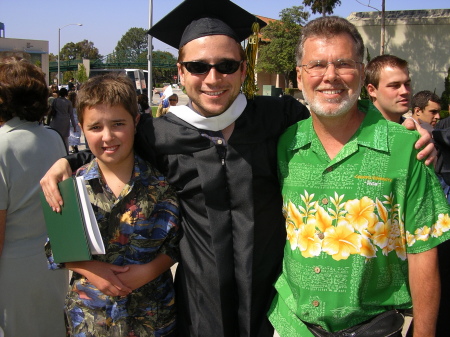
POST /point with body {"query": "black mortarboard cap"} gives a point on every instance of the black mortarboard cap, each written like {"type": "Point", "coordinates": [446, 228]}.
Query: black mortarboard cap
{"type": "Point", "coordinates": [193, 19]}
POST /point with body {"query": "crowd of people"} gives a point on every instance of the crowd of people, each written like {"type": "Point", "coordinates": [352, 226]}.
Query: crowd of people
{"type": "Point", "coordinates": [321, 221]}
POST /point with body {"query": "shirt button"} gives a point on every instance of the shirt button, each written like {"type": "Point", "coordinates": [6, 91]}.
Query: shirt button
{"type": "Point", "coordinates": [317, 270]}
{"type": "Point", "coordinates": [315, 303]}
{"type": "Point", "coordinates": [219, 141]}
{"type": "Point", "coordinates": [325, 201]}
{"type": "Point", "coordinates": [329, 169]}
{"type": "Point", "coordinates": [320, 236]}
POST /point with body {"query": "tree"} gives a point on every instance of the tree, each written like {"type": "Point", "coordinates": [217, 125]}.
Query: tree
{"type": "Point", "coordinates": [322, 6]}
{"type": "Point", "coordinates": [132, 47]}
{"type": "Point", "coordinates": [278, 56]}
{"type": "Point", "coordinates": [164, 66]}
{"type": "Point", "coordinates": [76, 51]}
{"type": "Point", "coordinates": [445, 98]}
{"type": "Point", "coordinates": [81, 73]}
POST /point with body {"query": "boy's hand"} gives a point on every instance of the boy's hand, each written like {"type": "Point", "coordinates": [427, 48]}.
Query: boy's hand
{"type": "Point", "coordinates": [58, 172]}
{"type": "Point", "coordinates": [140, 274]}
{"type": "Point", "coordinates": [428, 151]}
{"type": "Point", "coordinates": [104, 276]}
{"type": "Point", "coordinates": [136, 276]}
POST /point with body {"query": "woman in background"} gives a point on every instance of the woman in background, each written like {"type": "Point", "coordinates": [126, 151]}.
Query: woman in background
{"type": "Point", "coordinates": [62, 116]}
{"type": "Point", "coordinates": [75, 132]}
{"type": "Point", "coordinates": [31, 296]}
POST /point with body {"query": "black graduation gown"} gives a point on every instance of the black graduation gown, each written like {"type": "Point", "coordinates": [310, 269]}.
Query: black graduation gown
{"type": "Point", "coordinates": [233, 228]}
{"type": "Point", "coordinates": [232, 223]}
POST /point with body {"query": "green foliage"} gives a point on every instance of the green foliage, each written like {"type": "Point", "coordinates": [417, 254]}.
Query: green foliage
{"type": "Point", "coordinates": [278, 56]}
{"type": "Point", "coordinates": [76, 51]}
{"type": "Point", "coordinates": [81, 73]}
{"type": "Point", "coordinates": [445, 97]}
{"type": "Point", "coordinates": [132, 47]}
{"type": "Point", "coordinates": [164, 66]}
{"type": "Point", "coordinates": [317, 5]}
{"type": "Point", "coordinates": [66, 76]}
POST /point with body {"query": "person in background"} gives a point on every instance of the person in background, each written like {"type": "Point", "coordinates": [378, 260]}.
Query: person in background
{"type": "Point", "coordinates": [389, 86]}
{"type": "Point", "coordinates": [162, 110]}
{"type": "Point", "coordinates": [71, 85]}
{"type": "Point", "coordinates": [31, 297]}
{"type": "Point", "coordinates": [173, 100]}
{"type": "Point", "coordinates": [75, 131]}
{"type": "Point", "coordinates": [137, 214]}
{"type": "Point", "coordinates": [361, 238]}
{"type": "Point", "coordinates": [426, 107]}
{"type": "Point", "coordinates": [61, 116]}
{"type": "Point", "coordinates": [144, 107]}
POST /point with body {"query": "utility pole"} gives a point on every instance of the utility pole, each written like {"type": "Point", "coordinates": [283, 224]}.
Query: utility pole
{"type": "Point", "coordinates": [383, 27]}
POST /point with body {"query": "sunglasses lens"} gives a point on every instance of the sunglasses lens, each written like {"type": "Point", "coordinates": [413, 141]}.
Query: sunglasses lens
{"type": "Point", "coordinates": [200, 68]}
{"type": "Point", "coordinates": [228, 67]}
{"type": "Point", "coordinates": [197, 67]}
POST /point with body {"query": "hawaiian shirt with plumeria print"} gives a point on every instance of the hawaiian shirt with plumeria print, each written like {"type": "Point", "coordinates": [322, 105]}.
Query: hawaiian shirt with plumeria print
{"type": "Point", "coordinates": [351, 221]}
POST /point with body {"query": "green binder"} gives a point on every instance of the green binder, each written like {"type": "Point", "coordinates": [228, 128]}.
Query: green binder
{"type": "Point", "coordinates": [73, 233]}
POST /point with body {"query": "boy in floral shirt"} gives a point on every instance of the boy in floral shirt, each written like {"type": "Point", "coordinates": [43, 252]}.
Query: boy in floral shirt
{"type": "Point", "coordinates": [128, 291]}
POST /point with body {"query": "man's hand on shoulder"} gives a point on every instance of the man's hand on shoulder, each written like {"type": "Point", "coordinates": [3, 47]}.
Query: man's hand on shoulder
{"type": "Point", "coordinates": [425, 143]}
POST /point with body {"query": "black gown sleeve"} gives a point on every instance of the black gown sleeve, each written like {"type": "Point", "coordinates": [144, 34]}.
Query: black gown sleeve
{"type": "Point", "coordinates": [294, 111]}
{"type": "Point", "coordinates": [76, 160]}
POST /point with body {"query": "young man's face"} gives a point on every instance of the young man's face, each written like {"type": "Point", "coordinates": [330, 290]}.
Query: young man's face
{"type": "Point", "coordinates": [212, 93]}
{"type": "Point", "coordinates": [109, 131]}
{"type": "Point", "coordinates": [173, 101]}
{"type": "Point", "coordinates": [430, 114]}
{"type": "Point", "coordinates": [393, 95]}
{"type": "Point", "coordinates": [331, 94]}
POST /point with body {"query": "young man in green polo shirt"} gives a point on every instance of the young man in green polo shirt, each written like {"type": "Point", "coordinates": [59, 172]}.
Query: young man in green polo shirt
{"type": "Point", "coordinates": [363, 216]}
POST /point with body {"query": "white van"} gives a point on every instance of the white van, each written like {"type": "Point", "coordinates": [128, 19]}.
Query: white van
{"type": "Point", "coordinates": [136, 75]}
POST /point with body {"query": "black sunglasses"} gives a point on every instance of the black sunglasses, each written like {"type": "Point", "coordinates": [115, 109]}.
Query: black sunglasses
{"type": "Point", "coordinates": [224, 67]}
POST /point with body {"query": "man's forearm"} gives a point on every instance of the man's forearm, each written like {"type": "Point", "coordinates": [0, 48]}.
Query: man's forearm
{"type": "Point", "coordinates": [425, 291]}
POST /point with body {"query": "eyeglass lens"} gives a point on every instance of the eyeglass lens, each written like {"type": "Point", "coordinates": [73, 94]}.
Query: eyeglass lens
{"type": "Point", "coordinates": [341, 66]}
{"type": "Point", "coordinates": [224, 67]}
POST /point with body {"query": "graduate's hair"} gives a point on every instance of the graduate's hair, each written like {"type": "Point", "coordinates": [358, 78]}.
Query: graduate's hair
{"type": "Point", "coordinates": [110, 89]}
{"type": "Point", "coordinates": [421, 99]}
{"type": "Point", "coordinates": [377, 64]}
{"type": "Point", "coordinates": [329, 27]}
{"type": "Point", "coordinates": [24, 91]}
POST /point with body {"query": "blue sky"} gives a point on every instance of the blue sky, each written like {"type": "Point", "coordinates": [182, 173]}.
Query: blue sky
{"type": "Point", "coordinates": [105, 22]}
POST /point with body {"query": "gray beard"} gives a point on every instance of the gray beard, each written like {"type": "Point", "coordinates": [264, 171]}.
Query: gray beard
{"type": "Point", "coordinates": [345, 105]}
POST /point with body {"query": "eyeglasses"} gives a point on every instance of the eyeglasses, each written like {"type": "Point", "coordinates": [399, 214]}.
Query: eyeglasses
{"type": "Point", "coordinates": [224, 67]}
{"type": "Point", "coordinates": [341, 67]}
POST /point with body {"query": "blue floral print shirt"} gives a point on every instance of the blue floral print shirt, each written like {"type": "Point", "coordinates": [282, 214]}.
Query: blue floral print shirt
{"type": "Point", "coordinates": [136, 227]}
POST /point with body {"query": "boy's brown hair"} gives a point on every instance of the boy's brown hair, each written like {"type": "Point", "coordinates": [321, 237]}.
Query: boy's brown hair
{"type": "Point", "coordinates": [109, 89]}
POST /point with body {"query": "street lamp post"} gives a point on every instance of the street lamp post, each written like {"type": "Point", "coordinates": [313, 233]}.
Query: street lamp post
{"type": "Point", "coordinates": [149, 53]}
{"type": "Point", "coordinates": [59, 44]}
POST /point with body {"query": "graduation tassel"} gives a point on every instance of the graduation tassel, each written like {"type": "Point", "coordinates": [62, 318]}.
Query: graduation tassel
{"type": "Point", "coordinates": [249, 86]}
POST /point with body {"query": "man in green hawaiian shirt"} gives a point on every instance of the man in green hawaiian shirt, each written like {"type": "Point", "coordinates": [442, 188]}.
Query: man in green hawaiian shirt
{"type": "Point", "coordinates": [363, 216]}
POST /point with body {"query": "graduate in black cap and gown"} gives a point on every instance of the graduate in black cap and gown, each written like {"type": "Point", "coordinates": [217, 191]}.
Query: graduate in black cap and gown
{"type": "Point", "coordinates": [219, 152]}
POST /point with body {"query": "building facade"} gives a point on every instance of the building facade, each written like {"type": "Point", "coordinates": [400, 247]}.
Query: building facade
{"type": "Point", "coordinates": [422, 37]}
